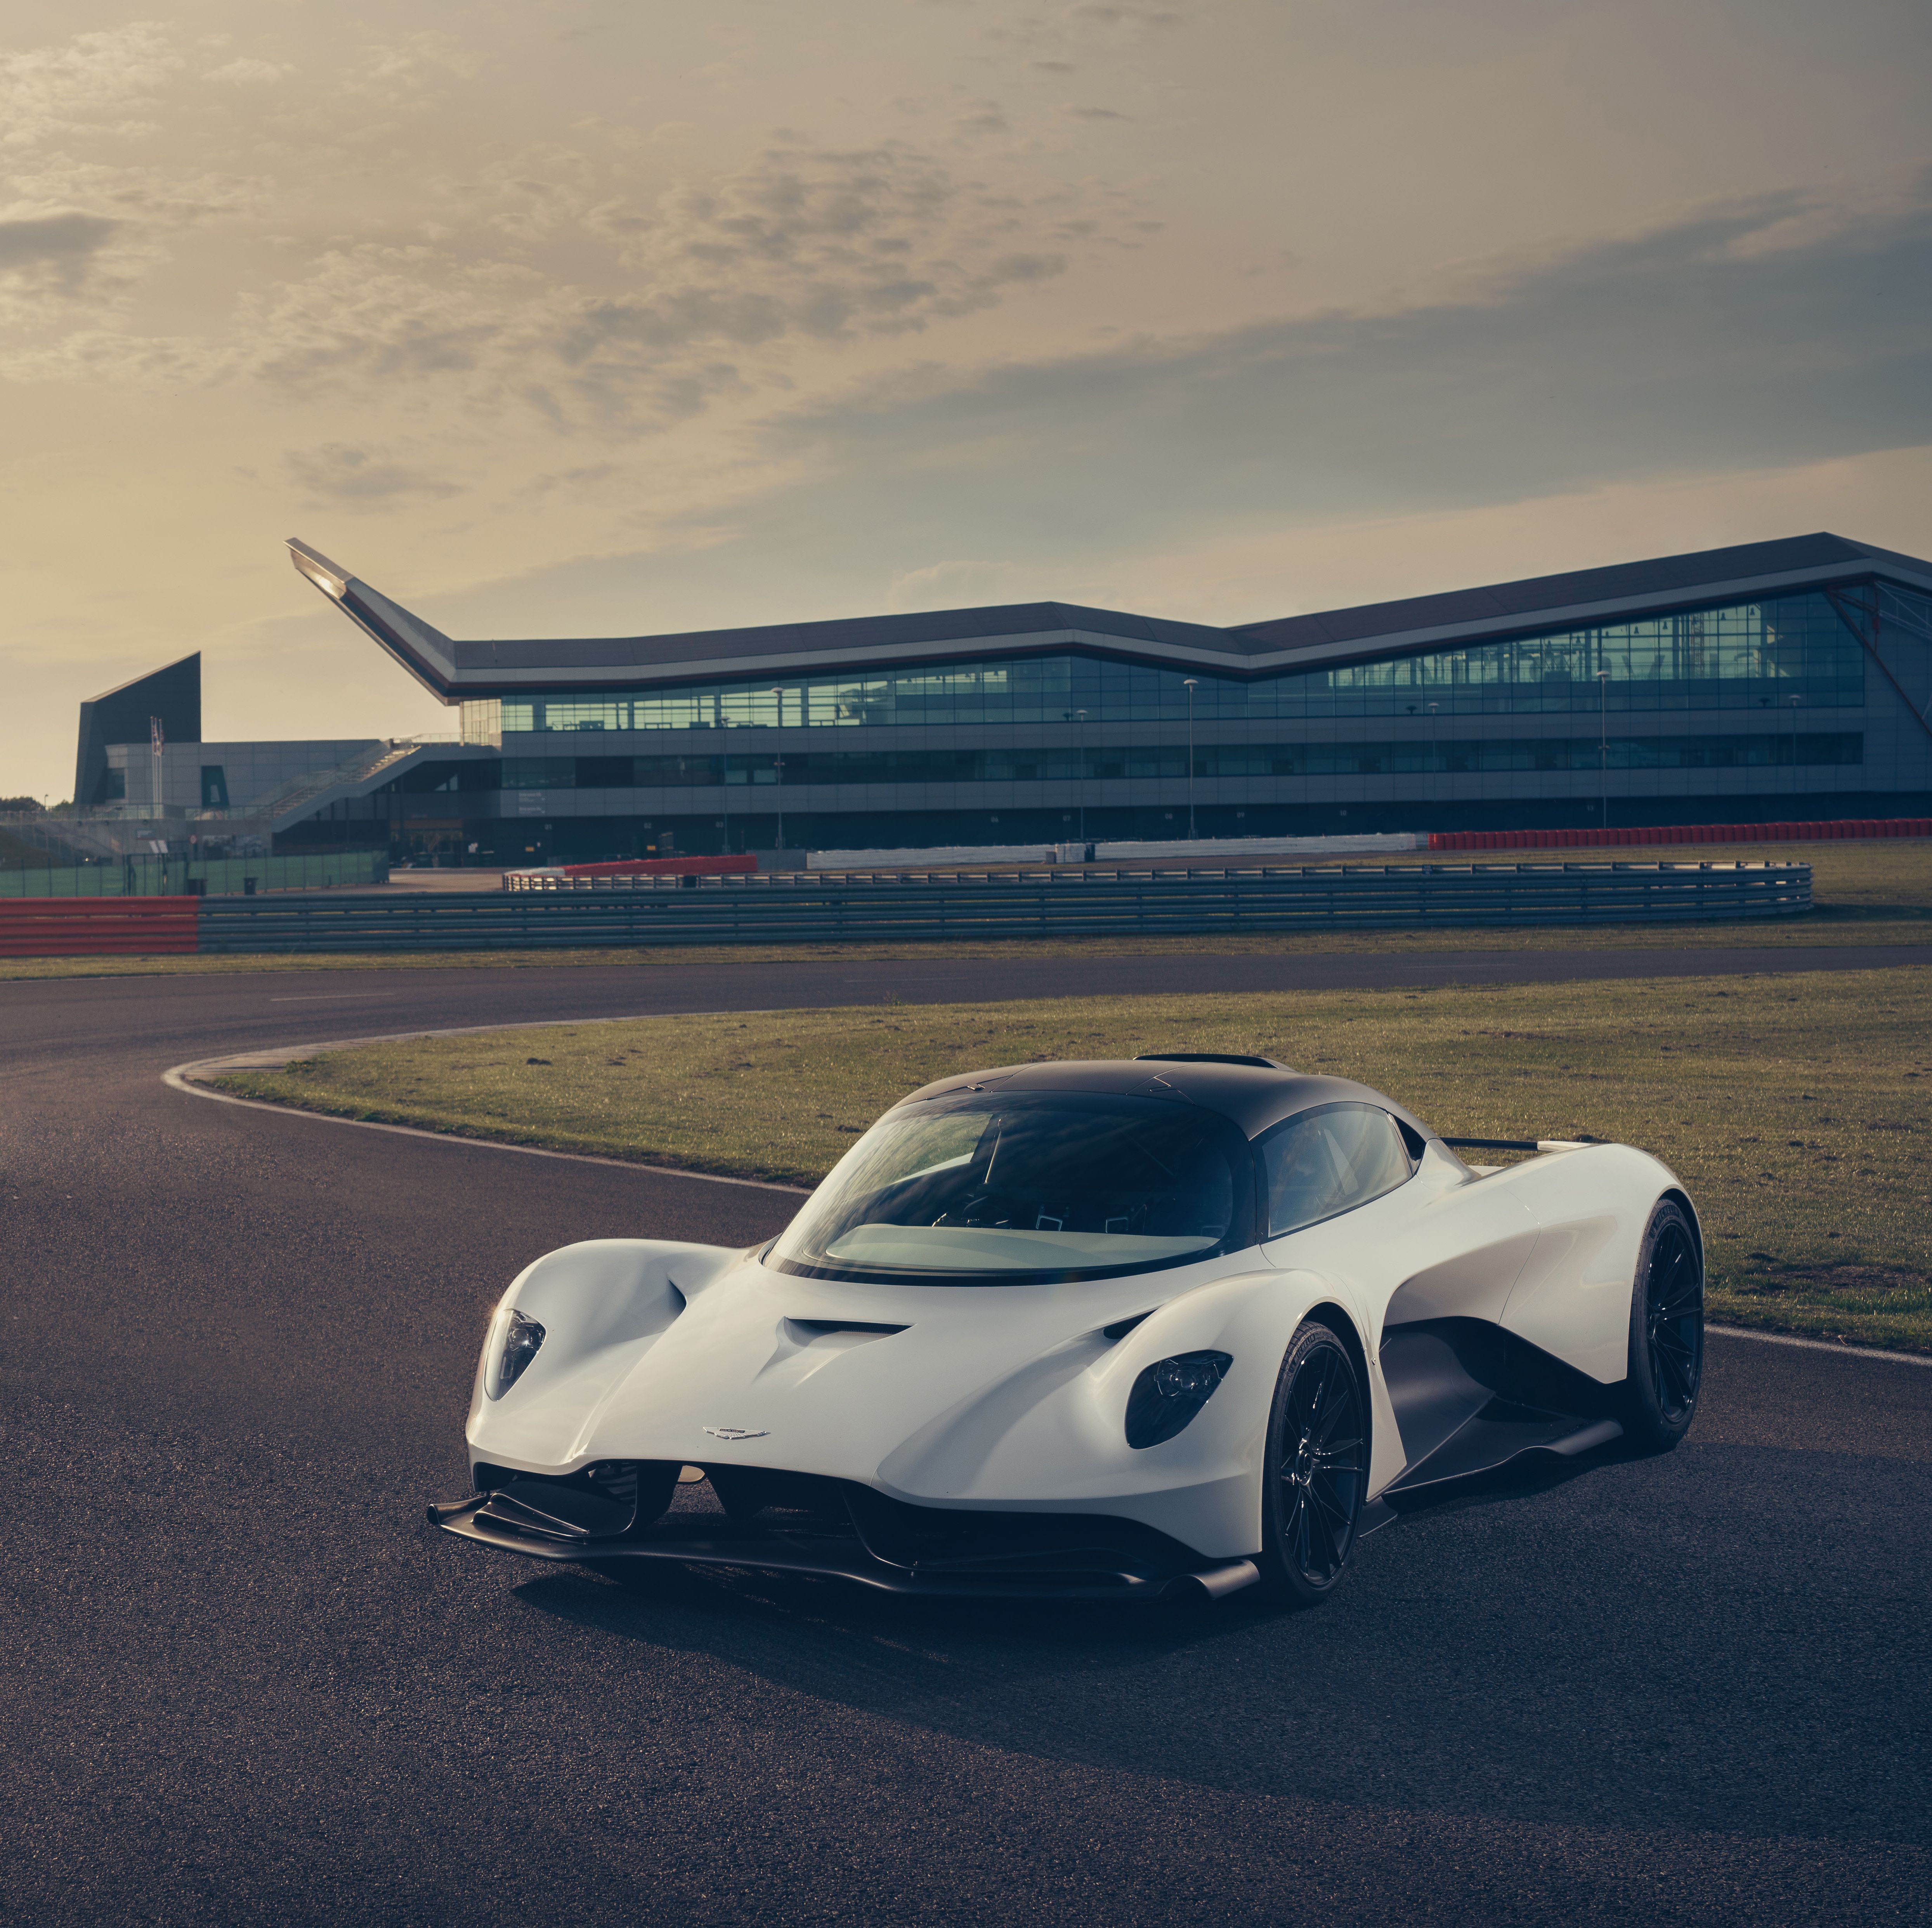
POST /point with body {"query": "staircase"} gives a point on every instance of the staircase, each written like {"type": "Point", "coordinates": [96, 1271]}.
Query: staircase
{"type": "Point", "coordinates": [354, 776]}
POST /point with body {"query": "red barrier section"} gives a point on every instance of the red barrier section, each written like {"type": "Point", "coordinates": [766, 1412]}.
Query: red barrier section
{"type": "Point", "coordinates": [99, 926]}
{"type": "Point", "coordinates": [1645, 833]}
{"type": "Point", "coordinates": [663, 866]}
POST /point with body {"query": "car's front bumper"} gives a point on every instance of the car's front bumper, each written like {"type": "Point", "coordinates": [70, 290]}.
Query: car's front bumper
{"type": "Point", "coordinates": [1048, 1558]}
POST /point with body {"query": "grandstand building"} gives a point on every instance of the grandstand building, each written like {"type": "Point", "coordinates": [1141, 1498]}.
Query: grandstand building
{"type": "Point", "coordinates": [1777, 680]}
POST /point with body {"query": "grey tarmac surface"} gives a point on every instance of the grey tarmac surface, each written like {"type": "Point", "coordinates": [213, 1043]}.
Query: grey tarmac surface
{"type": "Point", "coordinates": [245, 1682]}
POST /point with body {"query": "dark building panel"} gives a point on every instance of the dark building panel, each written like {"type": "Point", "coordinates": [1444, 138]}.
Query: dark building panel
{"type": "Point", "coordinates": [122, 716]}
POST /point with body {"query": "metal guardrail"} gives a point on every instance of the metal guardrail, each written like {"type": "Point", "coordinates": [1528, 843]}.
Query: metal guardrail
{"type": "Point", "coordinates": [824, 907]}
{"type": "Point", "coordinates": [136, 877]}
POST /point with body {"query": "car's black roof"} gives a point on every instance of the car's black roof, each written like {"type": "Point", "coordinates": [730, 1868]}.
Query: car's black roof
{"type": "Point", "coordinates": [1255, 1094]}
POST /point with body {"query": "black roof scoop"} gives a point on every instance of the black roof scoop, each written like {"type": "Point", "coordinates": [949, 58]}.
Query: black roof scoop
{"type": "Point", "coordinates": [1210, 1058]}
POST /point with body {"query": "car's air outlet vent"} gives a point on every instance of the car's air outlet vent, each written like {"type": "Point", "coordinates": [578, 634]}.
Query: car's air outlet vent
{"type": "Point", "coordinates": [1120, 1328]}
{"type": "Point", "coordinates": [819, 1329]}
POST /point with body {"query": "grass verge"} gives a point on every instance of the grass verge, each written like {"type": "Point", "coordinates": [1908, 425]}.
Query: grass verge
{"type": "Point", "coordinates": [1796, 1108]}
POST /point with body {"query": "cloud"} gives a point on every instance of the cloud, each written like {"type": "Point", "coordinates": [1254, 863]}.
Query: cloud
{"type": "Point", "coordinates": [65, 242]}
{"type": "Point", "coordinates": [955, 585]}
{"type": "Point", "coordinates": [1108, 15]}
{"type": "Point", "coordinates": [1690, 349]}
{"type": "Point", "coordinates": [89, 84]}
{"type": "Point", "coordinates": [805, 245]}
{"type": "Point", "coordinates": [246, 73]}
{"type": "Point", "coordinates": [340, 474]}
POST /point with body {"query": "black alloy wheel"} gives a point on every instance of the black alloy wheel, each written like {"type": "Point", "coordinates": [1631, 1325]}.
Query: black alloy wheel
{"type": "Point", "coordinates": [1666, 1342]}
{"type": "Point", "coordinates": [1317, 1468]}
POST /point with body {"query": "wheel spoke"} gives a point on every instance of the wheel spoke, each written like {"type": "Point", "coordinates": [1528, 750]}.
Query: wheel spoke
{"type": "Point", "coordinates": [1319, 1527]}
{"type": "Point", "coordinates": [1300, 1527]}
{"type": "Point", "coordinates": [1317, 1392]}
{"type": "Point", "coordinates": [1673, 1321]}
{"type": "Point", "coordinates": [1677, 1371]}
{"type": "Point", "coordinates": [1330, 1505]}
{"type": "Point", "coordinates": [1668, 1339]}
{"type": "Point", "coordinates": [1327, 1416]}
{"type": "Point", "coordinates": [1320, 1458]}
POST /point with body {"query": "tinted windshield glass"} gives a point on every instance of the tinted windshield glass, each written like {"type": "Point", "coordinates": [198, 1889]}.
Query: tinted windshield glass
{"type": "Point", "coordinates": [1026, 1187]}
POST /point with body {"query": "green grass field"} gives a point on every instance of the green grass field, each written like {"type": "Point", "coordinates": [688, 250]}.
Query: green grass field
{"type": "Point", "coordinates": [1874, 892]}
{"type": "Point", "coordinates": [1796, 1108]}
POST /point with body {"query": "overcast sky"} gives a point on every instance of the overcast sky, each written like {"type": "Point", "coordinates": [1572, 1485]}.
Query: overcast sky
{"type": "Point", "coordinates": [569, 317]}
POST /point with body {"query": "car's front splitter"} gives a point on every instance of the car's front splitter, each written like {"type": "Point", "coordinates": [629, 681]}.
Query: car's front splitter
{"type": "Point", "coordinates": [494, 1520]}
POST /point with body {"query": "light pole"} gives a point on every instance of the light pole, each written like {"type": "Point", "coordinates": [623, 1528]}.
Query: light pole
{"type": "Point", "coordinates": [778, 762]}
{"type": "Point", "coordinates": [1434, 756]}
{"type": "Point", "coordinates": [1080, 716]}
{"type": "Point", "coordinates": [1795, 701]}
{"type": "Point", "coordinates": [1190, 684]}
{"type": "Point", "coordinates": [1603, 750]}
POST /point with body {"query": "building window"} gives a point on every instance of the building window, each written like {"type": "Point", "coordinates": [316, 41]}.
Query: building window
{"type": "Point", "coordinates": [1764, 748]}
{"type": "Point", "coordinates": [1735, 656]}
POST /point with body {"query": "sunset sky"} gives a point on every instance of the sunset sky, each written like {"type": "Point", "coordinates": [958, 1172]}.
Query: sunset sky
{"type": "Point", "coordinates": [573, 318]}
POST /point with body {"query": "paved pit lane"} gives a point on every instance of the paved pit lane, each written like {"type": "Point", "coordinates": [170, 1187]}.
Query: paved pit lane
{"type": "Point", "coordinates": [245, 1681]}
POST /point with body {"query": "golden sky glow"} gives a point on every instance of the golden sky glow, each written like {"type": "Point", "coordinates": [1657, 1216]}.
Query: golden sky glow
{"type": "Point", "coordinates": [574, 318]}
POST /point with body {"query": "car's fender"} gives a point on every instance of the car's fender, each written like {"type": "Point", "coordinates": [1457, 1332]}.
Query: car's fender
{"type": "Point", "coordinates": [1591, 1206]}
{"type": "Point", "coordinates": [601, 1303]}
{"type": "Point", "coordinates": [1056, 1429]}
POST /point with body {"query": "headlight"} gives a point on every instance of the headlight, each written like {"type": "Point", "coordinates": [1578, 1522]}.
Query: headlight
{"type": "Point", "coordinates": [513, 1344]}
{"type": "Point", "coordinates": [1168, 1393]}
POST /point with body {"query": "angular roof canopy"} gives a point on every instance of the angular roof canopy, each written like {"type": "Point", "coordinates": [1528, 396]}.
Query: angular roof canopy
{"type": "Point", "coordinates": [455, 670]}
{"type": "Point", "coordinates": [170, 695]}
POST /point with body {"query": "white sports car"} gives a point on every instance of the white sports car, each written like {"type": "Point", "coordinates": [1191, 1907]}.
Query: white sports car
{"type": "Point", "coordinates": [1105, 1330]}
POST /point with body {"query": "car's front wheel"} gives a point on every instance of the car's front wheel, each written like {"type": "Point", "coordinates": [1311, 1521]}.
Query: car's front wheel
{"type": "Point", "coordinates": [1316, 1470]}
{"type": "Point", "coordinates": [1666, 1337]}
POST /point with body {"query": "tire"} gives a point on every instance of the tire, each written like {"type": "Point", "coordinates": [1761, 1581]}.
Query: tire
{"type": "Point", "coordinates": [1315, 1469]}
{"type": "Point", "coordinates": [1667, 1333]}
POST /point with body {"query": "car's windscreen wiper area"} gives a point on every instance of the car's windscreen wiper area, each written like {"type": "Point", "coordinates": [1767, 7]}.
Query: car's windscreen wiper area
{"type": "Point", "coordinates": [1027, 1185]}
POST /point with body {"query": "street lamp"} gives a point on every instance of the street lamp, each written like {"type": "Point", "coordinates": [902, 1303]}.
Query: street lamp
{"type": "Point", "coordinates": [1080, 718]}
{"type": "Point", "coordinates": [1603, 750]}
{"type": "Point", "coordinates": [1190, 684]}
{"type": "Point", "coordinates": [1795, 701]}
{"type": "Point", "coordinates": [1434, 756]}
{"type": "Point", "coordinates": [778, 764]}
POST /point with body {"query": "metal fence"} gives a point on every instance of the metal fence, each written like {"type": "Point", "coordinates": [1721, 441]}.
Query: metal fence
{"type": "Point", "coordinates": [824, 907]}
{"type": "Point", "coordinates": [181, 876]}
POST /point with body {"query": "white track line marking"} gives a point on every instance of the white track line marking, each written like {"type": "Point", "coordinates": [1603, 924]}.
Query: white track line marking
{"type": "Point", "coordinates": [182, 1078]}
{"type": "Point", "coordinates": [1818, 1345]}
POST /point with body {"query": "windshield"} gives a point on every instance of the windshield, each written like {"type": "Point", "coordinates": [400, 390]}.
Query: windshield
{"type": "Point", "coordinates": [1026, 1187]}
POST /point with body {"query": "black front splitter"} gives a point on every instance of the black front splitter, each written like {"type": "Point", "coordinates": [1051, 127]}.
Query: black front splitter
{"type": "Point", "coordinates": [840, 1558]}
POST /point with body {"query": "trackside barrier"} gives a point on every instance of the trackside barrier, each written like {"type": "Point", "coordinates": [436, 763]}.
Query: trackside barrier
{"type": "Point", "coordinates": [805, 906]}
{"type": "Point", "coordinates": [647, 867]}
{"type": "Point", "coordinates": [182, 876]}
{"type": "Point", "coordinates": [1680, 834]}
{"type": "Point", "coordinates": [99, 926]}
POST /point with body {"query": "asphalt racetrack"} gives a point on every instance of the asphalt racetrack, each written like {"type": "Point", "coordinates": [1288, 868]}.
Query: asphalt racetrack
{"type": "Point", "coordinates": [244, 1680]}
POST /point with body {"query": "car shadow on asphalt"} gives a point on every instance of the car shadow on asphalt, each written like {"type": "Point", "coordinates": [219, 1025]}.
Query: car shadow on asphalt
{"type": "Point", "coordinates": [1601, 1641]}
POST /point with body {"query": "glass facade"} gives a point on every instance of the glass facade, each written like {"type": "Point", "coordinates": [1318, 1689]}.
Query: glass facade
{"type": "Point", "coordinates": [1740, 657]}
{"type": "Point", "coordinates": [1758, 749]}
